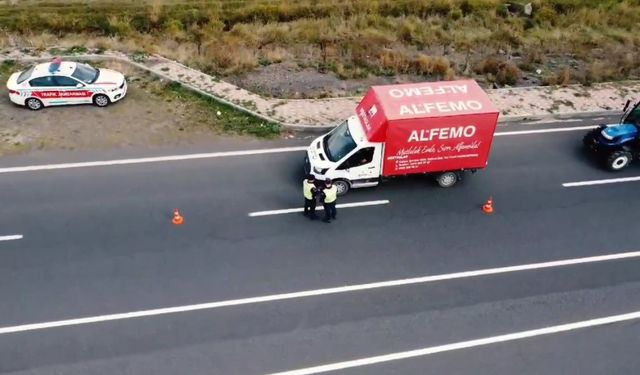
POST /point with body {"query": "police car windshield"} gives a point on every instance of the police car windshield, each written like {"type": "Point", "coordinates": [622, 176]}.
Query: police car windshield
{"type": "Point", "coordinates": [25, 75]}
{"type": "Point", "coordinates": [85, 73]}
{"type": "Point", "coordinates": [339, 143]}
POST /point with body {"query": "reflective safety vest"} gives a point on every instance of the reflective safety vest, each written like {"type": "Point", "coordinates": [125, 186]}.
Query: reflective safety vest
{"type": "Point", "coordinates": [306, 189]}
{"type": "Point", "coordinates": [330, 194]}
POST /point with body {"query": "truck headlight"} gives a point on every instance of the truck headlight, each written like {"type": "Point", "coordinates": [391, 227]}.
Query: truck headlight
{"type": "Point", "coordinates": [320, 171]}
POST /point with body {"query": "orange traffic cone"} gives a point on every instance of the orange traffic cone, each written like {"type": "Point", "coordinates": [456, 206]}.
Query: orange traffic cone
{"type": "Point", "coordinates": [488, 207]}
{"type": "Point", "coordinates": [177, 218]}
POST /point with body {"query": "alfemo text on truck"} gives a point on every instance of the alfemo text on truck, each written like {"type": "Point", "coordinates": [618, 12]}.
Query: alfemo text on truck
{"type": "Point", "coordinates": [438, 106]}
{"type": "Point", "coordinates": [423, 135]}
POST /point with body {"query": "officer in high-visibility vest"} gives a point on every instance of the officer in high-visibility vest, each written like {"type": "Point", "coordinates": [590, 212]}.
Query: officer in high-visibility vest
{"type": "Point", "coordinates": [309, 191]}
{"type": "Point", "coordinates": [330, 195]}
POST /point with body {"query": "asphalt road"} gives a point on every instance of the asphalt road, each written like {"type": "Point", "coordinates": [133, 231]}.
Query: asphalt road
{"type": "Point", "coordinates": [99, 241]}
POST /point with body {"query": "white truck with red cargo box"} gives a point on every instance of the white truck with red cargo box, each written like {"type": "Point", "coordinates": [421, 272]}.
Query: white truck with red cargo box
{"type": "Point", "coordinates": [436, 128]}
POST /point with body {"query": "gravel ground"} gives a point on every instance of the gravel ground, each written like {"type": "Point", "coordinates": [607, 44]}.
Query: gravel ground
{"type": "Point", "coordinates": [144, 118]}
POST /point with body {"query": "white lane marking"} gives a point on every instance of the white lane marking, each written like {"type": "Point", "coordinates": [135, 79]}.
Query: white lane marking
{"type": "Point", "coordinates": [104, 163]}
{"type": "Point", "coordinates": [464, 344]}
{"type": "Point", "coordinates": [11, 237]}
{"type": "Point", "coordinates": [601, 182]}
{"type": "Point", "coordinates": [342, 205]}
{"type": "Point", "coordinates": [551, 130]}
{"type": "Point", "coordinates": [150, 160]}
{"type": "Point", "coordinates": [571, 120]}
{"type": "Point", "coordinates": [317, 292]}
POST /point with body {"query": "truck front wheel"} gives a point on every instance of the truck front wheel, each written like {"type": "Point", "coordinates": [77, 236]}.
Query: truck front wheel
{"type": "Point", "coordinates": [342, 186]}
{"type": "Point", "coordinates": [447, 179]}
{"type": "Point", "coordinates": [618, 160]}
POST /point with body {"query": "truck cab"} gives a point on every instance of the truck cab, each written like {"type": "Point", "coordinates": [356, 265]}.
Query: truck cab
{"type": "Point", "coordinates": [617, 144]}
{"type": "Point", "coordinates": [346, 156]}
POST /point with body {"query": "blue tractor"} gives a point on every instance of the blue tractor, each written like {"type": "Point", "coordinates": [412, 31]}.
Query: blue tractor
{"type": "Point", "coordinates": [617, 144]}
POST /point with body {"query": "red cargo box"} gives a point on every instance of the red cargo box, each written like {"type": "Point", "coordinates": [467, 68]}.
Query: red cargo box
{"type": "Point", "coordinates": [431, 126]}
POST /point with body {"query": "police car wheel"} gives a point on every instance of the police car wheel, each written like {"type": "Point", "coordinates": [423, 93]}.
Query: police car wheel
{"type": "Point", "coordinates": [447, 179]}
{"type": "Point", "coordinates": [101, 100]}
{"type": "Point", "coordinates": [34, 104]}
{"type": "Point", "coordinates": [342, 186]}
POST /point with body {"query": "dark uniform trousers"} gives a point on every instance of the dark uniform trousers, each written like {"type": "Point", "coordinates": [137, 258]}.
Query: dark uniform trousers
{"type": "Point", "coordinates": [330, 210]}
{"type": "Point", "coordinates": [310, 207]}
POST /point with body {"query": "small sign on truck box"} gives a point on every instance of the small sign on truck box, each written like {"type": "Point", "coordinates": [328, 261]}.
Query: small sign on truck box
{"type": "Point", "coordinates": [430, 127]}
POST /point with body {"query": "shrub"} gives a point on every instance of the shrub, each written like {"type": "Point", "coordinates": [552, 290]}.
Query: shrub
{"type": "Point", "coordinates": [499, 71]}
{"type": "Point", "coordinates": [449, 75]}
{"type": "Point", "coordinates": [545, 16]}
{"type": "Point", "coordinates": [438, 66]}
{"type": "Point", "coordinates": [392, 61]}
{"type": "Point", "coordinates": [456, 14]}
{"type": "Point", "coordinates": [441, 66]}
{"type": "Point", "coordinates": [423, 64]}
{"type": "Point", "coordinates": [490, 65]}
{"type": "Point", "coordinates": [508, 74]}
{"type": "Point", "coordinates": [273, 55]}
{"type": "Point", "coordinates": [564, 77]}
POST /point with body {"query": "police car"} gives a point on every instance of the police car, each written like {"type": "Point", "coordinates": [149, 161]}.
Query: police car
{"type": "Point", "coordinates": [63, 82]}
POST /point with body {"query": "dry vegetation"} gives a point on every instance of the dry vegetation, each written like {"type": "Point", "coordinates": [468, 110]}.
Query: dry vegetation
{"type": "Point", "coordinates": [567, 40]}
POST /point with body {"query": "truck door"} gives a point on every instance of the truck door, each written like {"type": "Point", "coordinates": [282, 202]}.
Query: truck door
{"type": "Point", "coordinates": [362, 167]}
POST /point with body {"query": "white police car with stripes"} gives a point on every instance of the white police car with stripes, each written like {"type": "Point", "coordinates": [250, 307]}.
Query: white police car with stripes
{"type": "Point", "coordinates": [64, 82]}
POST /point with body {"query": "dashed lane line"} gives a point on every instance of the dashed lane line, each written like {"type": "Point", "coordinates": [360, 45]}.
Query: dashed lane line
{"type": "Point", "coordinates": [11, 237]}
{"type": "Point", "coordinates": [294, 210]}
{"type": "Point", "coordinates": [601, 182]}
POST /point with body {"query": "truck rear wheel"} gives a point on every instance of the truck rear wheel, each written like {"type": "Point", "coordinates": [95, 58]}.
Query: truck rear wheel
{"type": "Point", "coordinates": [618, 160]}
{"type": "Point", "coordinates": [447, 179]}
{"type": "Point", "coordinates": [342, 186]}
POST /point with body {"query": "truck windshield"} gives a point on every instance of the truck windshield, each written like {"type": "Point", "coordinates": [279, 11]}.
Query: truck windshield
{"type": "Point", "coordinates": [339, 142]}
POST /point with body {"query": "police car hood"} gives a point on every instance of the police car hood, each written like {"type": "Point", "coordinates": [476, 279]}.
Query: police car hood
{"type": "Point", "coordinates": [109, 77]}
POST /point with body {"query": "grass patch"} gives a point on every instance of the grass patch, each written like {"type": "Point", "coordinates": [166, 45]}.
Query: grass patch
{"type": "Point", "coordinates": [7, 67]}
{"type": "Point", "coordinates": [75, 50]}
{"type": "Point", "coordinates": [353, 38]}
{"type": "Point", "coordinates": [204, 108]}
